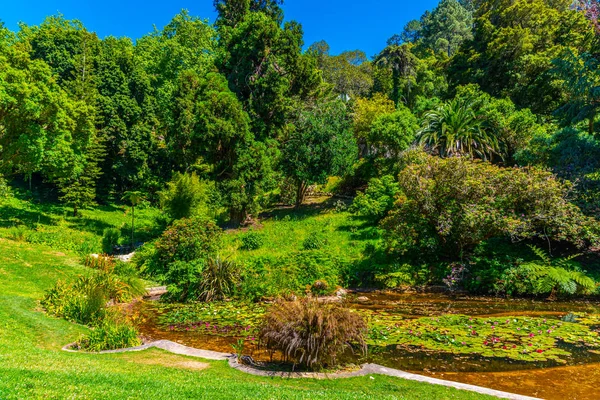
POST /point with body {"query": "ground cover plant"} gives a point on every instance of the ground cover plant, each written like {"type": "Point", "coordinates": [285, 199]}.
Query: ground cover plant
{"type": "Point", "coordinates": [34, 366]}
{"type": "Point", "coordinates": [517, 338]}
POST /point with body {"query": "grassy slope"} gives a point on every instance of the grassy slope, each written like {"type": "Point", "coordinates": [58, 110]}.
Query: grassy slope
{"type": "Point", "coordinates": [33, 366]}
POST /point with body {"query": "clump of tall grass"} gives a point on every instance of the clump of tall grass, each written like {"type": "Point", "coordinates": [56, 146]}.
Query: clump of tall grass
{"type": "Point", "coordinates": [311, 333]}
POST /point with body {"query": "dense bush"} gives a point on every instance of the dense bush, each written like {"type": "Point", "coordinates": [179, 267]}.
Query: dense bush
{"type": "Point", "coordinates": [448, 206]}
{"type": "Point", "coordinates": [378, 198]}
{"type": "Point", "coordinates": [187, 196]}
{"type": "Point", "coordinates": [572, 155]}
{"type": "Point", "coordinates": [252, 241]}
{"type": "Point", "coordinates": [110, 335]}
{"type": "Point", "coordinates": [110, 239]}
{"type": "Point", "coordinates": [186, 240]}
{"type": "Point", "coordinates": [179, 257]}
{"type": "Point", "coordinates": [268, 276]}
{"type": "Point", "coordinates": [311, 333]}
{"type": "Point", "coordinates": [85, 300]}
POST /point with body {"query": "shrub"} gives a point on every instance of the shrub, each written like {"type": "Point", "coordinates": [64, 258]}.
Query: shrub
{"type": "Point", "coordinates": [110, 239]}
{"type": "Point", "coordinates": [219, 279]}
{"type": "Point", "coordinates": [110, 335]}
{"type": "Point", "coordinates": [186, 240]}
{"type": "Point", "coordinates": [187, 196]}
{"type": "Point", "coordinates": [252, 241]}
{"type": "Point", "coordinates": [378, 199]}
{"type": "Point", "coordinates": [85, 300]}
{"type": "Point", "coordinates": [448, 206]}
{"type": "Point", "coordinates": [180, 256]}
{"type": "Point", "coordinates": [311, 333]}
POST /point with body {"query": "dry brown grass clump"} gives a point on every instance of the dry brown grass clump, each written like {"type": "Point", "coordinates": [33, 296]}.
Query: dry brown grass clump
{"type": "Point", "coordinates": [310, 333]}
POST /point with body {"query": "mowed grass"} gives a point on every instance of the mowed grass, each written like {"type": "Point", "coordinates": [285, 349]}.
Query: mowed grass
{"type": "Point", "coordinates": [33, 366]}
{"type": "Point", "coordinates": [54, 225]}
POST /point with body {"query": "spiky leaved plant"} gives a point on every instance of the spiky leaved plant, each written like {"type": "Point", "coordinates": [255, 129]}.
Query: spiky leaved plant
{"type": "Point", "coordinates": [219, 278]}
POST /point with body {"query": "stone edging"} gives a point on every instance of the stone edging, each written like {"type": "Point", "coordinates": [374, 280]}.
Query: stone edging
{"type": "Point", "coordinates": [366, 369]}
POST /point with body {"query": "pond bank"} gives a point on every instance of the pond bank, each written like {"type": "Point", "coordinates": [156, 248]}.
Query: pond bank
{"type": "Point", "coordinates": [366, 369]}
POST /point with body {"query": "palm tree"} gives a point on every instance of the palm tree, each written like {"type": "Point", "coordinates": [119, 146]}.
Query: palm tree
{"type": "Point", "coordinates": [402, 62]}
{"type": "Point", "coordinates": [458, 127]}
{"type": "Point", "coordinates": [134, 198]}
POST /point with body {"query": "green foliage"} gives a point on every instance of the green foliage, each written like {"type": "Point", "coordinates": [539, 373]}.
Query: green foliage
{"type": "Point", "coordinates": [548, 276]}
{"type": "Point", "coordinates": [252, 241]}
{"type": "Point", "coordinates": [265, 277]}
{"type": "Point", "coordinates": [84, 301]}
{"type": "Point", "coordinates": [446, 27]}
{"type": "Point", "coordinates": [110, 239]}
{"type": "Point", "coordinates": [186, 196]}
{"type": "Point", "coordinates": [448, 206]}
{"type": "Point", "coordinates": [219, 279]}
{"type": "Point", "coordinates": [392, 133]}
{"type": "Point", "coordinates": [524, 36]}
{"type": "Point", "coordinates": [321, 145]}
{"type": "Point", "coordinates": [456, 128]}
{"type": "Point", "coordinates": [378, 198]}
{"type": "Point", "coordinates": [182, 254]}
{"type": "Point", "coordinates": [582, 83]}
{"type": "Point", "coordinates": [110, 335]}
{"type": "Point", "coordinates": [350, 72]}
{"type": "Point", "coordinates": [311, 333]}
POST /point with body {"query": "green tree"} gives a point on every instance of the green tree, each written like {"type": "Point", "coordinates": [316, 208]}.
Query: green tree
{"type": "Point", "coordinates": [400, 60]}
{"type": "Point", "coordinates": [447, 27]}
{"type": "Point", "coordinates": [393, 133]}
{"type": "Point", "coordinates": [350, 73]}
{"type": "Point", "coordinates": [582, 84]}
{"type": "Point", "coordinates": [265, 68]}
{"type": "Point", "coordinates": [515, 42]}
{"type": "Point", "coordinates": [321, 145]}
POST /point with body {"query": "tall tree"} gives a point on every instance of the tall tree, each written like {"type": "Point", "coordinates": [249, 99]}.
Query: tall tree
{"type": "Point", "coordinates": [401, 61]}
{"type": "Point", "coordinates": [581, 78]}
{"type": "Point", "coordinates": [350, 73]}
{"type": "Point", "coordinates": [321, 145]}
{"type": "Point", "coordinates": [515, 42]}
{"type": "Point", "coordinates": [266, 69]}
{"type": "Point", "coordinates": [447, 26]}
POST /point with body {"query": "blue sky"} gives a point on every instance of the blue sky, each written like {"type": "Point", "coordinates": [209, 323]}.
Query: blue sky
{"type": "Point", "coordinates": [344, 24]}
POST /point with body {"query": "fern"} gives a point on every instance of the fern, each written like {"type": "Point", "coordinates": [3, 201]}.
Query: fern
{"type": "Point", "coordinates": [550, 276]}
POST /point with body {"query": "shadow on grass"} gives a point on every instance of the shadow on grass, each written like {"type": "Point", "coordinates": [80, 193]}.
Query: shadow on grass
{"type": "Point", "coordinates": [11, 216]}
{"type": "Point", "coordinates": [303, 212]}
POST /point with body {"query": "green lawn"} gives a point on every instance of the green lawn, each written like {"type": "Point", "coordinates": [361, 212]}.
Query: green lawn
{"type": "Point", "coordinates": [33, 366]}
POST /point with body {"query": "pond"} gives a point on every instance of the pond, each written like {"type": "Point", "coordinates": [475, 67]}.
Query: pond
{"type": "Point", "coordinates": [521, 346]}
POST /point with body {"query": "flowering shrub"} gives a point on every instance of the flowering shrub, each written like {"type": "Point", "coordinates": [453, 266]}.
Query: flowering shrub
{"type": "Point", "coordinates": [448, 206]}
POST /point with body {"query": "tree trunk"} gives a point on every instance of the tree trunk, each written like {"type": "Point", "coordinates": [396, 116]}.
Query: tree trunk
{"type": "Point", "coordinates": [132, 226]}
{"type": "Point", "coordinates": [300, 193]}
{"type": "Point", "coordinates": [75, 211]}
{"type": "Point", "coordinates": [236, 217]}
